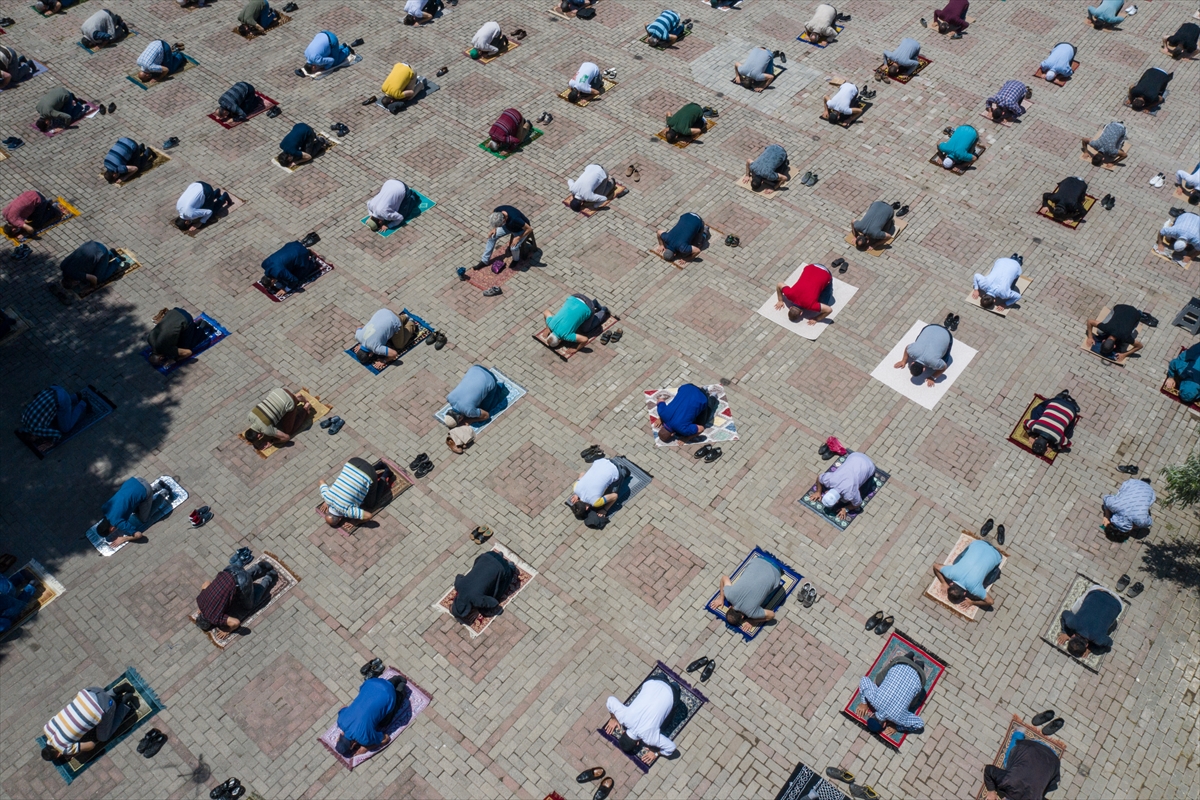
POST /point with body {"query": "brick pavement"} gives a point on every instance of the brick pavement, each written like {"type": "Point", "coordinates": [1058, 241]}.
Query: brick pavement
{"type": "Point", "coordinates": [514, 711]}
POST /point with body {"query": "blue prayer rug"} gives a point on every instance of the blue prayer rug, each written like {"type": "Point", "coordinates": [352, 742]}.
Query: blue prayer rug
{"type": "Point", "coordinates": [510, 393]}
{"type": "Point", "coordinates": [219, 333]}
{"type": "Point", "coordinates": [426, 331]}
{"type": "Point", "coordinates": [98, 408]}
{"type": "Point", "coordinates": [747, 630]}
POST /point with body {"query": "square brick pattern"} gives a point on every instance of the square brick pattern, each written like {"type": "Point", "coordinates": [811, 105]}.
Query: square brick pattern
{"type": "Point", "coordinates": [582, 367]}
{"type": "Point", "coordinates": [234, 273]}
{"type": "Point", "coordinates": [237, 142]}
{"type": "Point", "coordinates": [477, 91]}
{"type": "Point", "coordinates": [381, 247]}
{"type": "Point", "coordinates": [791, 646]}
{"type": "Point", "coordinates": [365, 548]}
{"type": "Point", "coordinates": [340, 20]}
{"type": "Point", "coordinates": [655, 567]}
{"type": "Point", "coordinates": [561, 134]}
{"type": "Point", "coordinates": [849, 192]}
{"type": "Point", "coordinates": [1051, 138]}
{"type": "Point", "coordinates": [163, 599]}
{"type": "Point", "coordinates": [278, 705]}
{"type": "Point", "coordinates": [660, 104]}
{"type": "Point", "coordinates": [713, 314]}
{"type": "Point", "coordinates": [325, 333]}
{"type": "Point", "coordinates": [955, 243]}
{"type": "Point", "coordinates": [1099, 409]}
{"type": "Point", "coordinates": [410, 786]}
{"type": "Point", "coordinates": [829, 380]}
{"type": "Point", "coordinates": [173, 98]}
{"type": "Point", "coordinates": [305, 186]}
{"type": "Point", "coordinates": [530, 479]}
{"type": "Point", "coordinates": [746, 144]}
{"type": "Point", "coordinates": [947, 765]}
{"type": "Point", "coordinates": [38, 779]}
{"type": "Point", "coordinates": [608, 257]}
{"type": "Point", "coordinates": [1118, 52]}
{"type": "Point", "coordinates": [434, 157]}
{"type": "Point", "coordinates": [475, 658]}
{"type": "Point", "coordinates": [1080, 300]}
{"type": "Point", "coordinates": [734, 218]}
{"type": "Point", "coordinates": [466, 300]}
{"type": "Point", "coordinates": [958, 453]}
{"type": "Point", "coordinates": [1029, 20]}
{"type": "Point", "coordinates": [409, 404]}
{"type": "Point", "coordinates": [247, 465]}
{"type": "Point", "coordinates": [795, 516]}
{"type": "Point", "coordinates": [517, 195]}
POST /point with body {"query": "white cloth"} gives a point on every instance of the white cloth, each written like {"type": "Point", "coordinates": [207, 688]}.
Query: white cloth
{"type": "Point", "coordinates": [592, 486]}
{"type": "Point", "coordinates": [415, 7]}
{"type": "Point", "coordinates": [189, 205]}
{"type": "Point", "coordinates": [1188, 180]}
{"type": "Point", "coordinates": [483, 38]}
{"type": "Point", "coordinates": [643, 718]}
{"type": "Point", "coordinates": [823, 21]}
{"type": "Point", "coordinates": [841, 101]}
{"type": "Point", "coordinates": [582, 81]}
{"type": "Point", "coordinates": [386, 204]}
{"type": "Point", "coordinates": [584, 187]}
{"type": "Point", "coordinates": [999, 280]}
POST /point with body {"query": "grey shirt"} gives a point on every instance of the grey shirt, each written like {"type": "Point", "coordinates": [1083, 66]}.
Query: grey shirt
{"type": "Point", "coordinates": [877, 222]}
{"type": "Point", "coordinates": [755, 64]}
{"type": "Point", "coordinates": [931, 347]}
{"type": "Point", "coordinates": [757, 581]}
{"type": "Point", "coordinates": [767, 165]}
{"type": "Point", "coordinates": [52, 105]}
{"type": "Point", "coordinates": [1110, 139]}
{"type": "Point", "coordinates": [905, 54]}
{"type": "Point", "coordinates": [100, 22]}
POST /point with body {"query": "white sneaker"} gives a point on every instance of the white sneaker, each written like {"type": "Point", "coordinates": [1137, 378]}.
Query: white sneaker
{"type": "Point", "coordinates": [1157, 181]}
{"type": "Point", "coordinates": [1129, 12]}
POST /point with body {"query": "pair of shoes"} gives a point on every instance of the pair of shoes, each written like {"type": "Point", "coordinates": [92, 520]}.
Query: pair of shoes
{"type": "Point", "coordinates": [1018, 258]}
{"type": "Point", "coordinates": [957, 35]}
{"type": "Point", "coordinates": [418, 461]}
{"type": "Point", "coordinates": [612, 336]}
{"type": "Point", "coordinates": [424, 468]}
{"type": "Point", "coordinates": [311, 239]}
{"type": "Point", "coordinates": [732, 241]}
{"type": "Point", "coordinates": [21, 252]}
{"type": "Point", "coordinates": [1157, 181]}
{"type": "Point", "coordinates": [151, 743]}
{"type": "Point", "coordinates": [519, 34]}
{"type": "Point", "coordinates": [706, 663]}
{"type": "Point", "coordinates": [708, 453]}
{"type": "Point", "coordinates": [710, 112]}
{"type": "Point", "coordinates": [868, 94]}
{"type": "Point", "coordinates": [809, 179]}
{"type": "Point", "coordinates": [437, 339]}
{"type": "Point", "coordinates": [13, 142]}
{"type": "Point", "coordinates": [339, 128]}
{"type": "Point", "coordinates": [169, 143]}
{"type": "Point", "coordinates": [290, 7]}
{"type": "Point", "coordinates": [825, 453]}
{"type": "Point", "coordinates": [839, 774]}
{"type": "Point", "coordinates": [371, 668]}
{"type": "Point", "coordinates": [951, 321]}
{"type": "Point", "coordinates": [229, 790]}
{"type": "Point", "coordinates": [841, 265]}
{"type": "Point", "coordinates": [592, 453]}
{"type": "Point", "coordinates": [1174, 212]}
{"type": "Point", "coordinates": [782, 56]}
{"type": "Point", "coordinates": [902, 212]}
{"type": "Point", "coordinates": [1134, 590]}
{"type": "Point", "coordinates": [808, 595]}
{"type": "Point", "coordinates": [369, 100]}
{"type": "Point", "coordinates": [481, 534]}
{"type": "Point", "coordinates": [274, 112]}
{"type": "Point", "coordinates": [1128, 469]}
{"type": "Point", "coordinates": [492, 292]}
{"type": "Point", "coordinates": [6, 22]}
{"type": "Point", "coordinates": [200, 516]}
{"type": "Point", "coordinates": [879, 623]}
{"type": "Point", "coordinates": [334, 424]}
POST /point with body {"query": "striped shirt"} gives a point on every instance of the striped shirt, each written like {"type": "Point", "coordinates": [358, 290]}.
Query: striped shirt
{"type": "Point", "coordinates": [664, 26]}
{"type": "Point", "coordinates": [347, 493]}
{"type": "Point", "coordinates": [119, 155]}
{"type": "Point", "coordinates": [71, 724]}
{"type": "Point", "coordinates": [1053, 423]}
{"type": "Point", "coordinates": [152, 58]}
{"type": "Point", "coordinates": [1130, 506]}
{"type": "Point", "coordinates": [41, 415]}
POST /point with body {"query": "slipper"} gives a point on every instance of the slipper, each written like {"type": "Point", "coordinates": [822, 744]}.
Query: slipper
{"type": "Point", "coordinates": [1135, 590]}
{"type": "Point", "coordinates": [863, 792]}
{"type": "Point", "coordinates": [274, 112]}
{"type": "Point", "coordinates": [840, 774]}
{"type": "Point", "coordinates": [442, 71]}
{"type": "Point", "coordinates": [703, 451]}
{"type": "Point", "coordinates": [492, 292]}
{"type": "Point", "coordinates": [882, 627]}
{"type": "Point", "coordinates": [481, 534]}
{"type": "Point", "coordinates": [875, 619]}
{"type": "Point", "coordinates": [1122, 583]}
{"type": "Point", "coordinates": [156, 743]}
{"type": "Point", "coordinates": [713, 455]}
{"type": "Point", "coordinates": [519, 34]}
{"type": "Point", "coordinates": [593, 774]}
{"type": "Point", "coordinates": [606, 786]}
{"type": "Point", "coordinates": [1128, 469]}
{"type": "Point", "coordinates": [606, 337]}
{"type": "Point", "coordinates": [807, 596]}
{"type": "Point", "coordinates": [1042, 718]}
{"type": "Point", "coordinates": [616, 335]}
{"type": "Point", "coordinates": [708, 671]}
{"type": "Point", "coordinates": [325, 423]}
{"type": "Point", "coordinates": [145, 742]}
{"type": "Point", "coordinates": [336, 426]}
{"type": "Point", "coordinates": [629, 171]}
{"type": "Point", "coordinates": [1054, 727]}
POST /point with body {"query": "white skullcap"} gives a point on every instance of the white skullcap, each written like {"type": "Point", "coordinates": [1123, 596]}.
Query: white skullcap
{"type": "Point", "coordinates": [1051, 75]}
{"type": "Point", "coordinates": [948, 162]}
{"type": "Point", "coordinates": [831, 498]}
{"type": "Point", "coordinates": [1180, 244]}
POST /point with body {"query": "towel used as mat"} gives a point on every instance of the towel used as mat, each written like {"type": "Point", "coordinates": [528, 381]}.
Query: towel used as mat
{"type": "Point", "coordinates": [881, 71]}
{"type": "Point", "coordinates": [937, 589]}
{"type": "Point", "coordinates": [878, 247]}
{"type": "Point", "coordinates": [39, 68]}
{"type": "Point", "coordinates": [417, 701]}
{"type": "Point", "coordinates": [148, 707]}
{"type": "Point", "coordinates": [807, 38]}
{"type": "Point", "coordinates": [791, 579]}
{"type": "Point", "coordinates": [1088, 202]}
{"type": "Point", "coordinates": [410, 209]}
{"type": "Point", "coordinates": [1011, 737]}
{"type": "Point", "coordinates": [1023, 284]}
{"type": "Point", "coordinates": [868, 491]}
{"type": "Point", "coordinates": [402, 483]}
{"type": "Point", "coordinates": [280, 295]}
{"type": "Point", "coordinates": [915, 388]}
{"type": "Point", "coordinates": [479, 622]}
{"type": "Point", "coordinates": [690, 702]}
{"type": "Point", "coordinates": [264, 104]}
{"type": "Point", "coordinates": [721, 427]}
{"type": "Point", "coordinates": [349, 62]}
{"type": "Point", "coordinates": [1091, 661]}
{"type": "Point", "coordinates": [484, 58]}
{"type": "Point", "coordinates": [90, 110]}
{"type": "Point", "coordinates": [568, 349]}
{"type": "Point", "coordinates": [509, 393]}
{"type": "Point", "coordinates": [98, 407]}
{"type": "Point", "coordinates": [65, 212]}
{"type": "Point", "coordinates": [584, 99]}
{"type": "Point", "coordinates": [804, 783]}
{"type": "Point", "coordinates": [219, 332]}
{"type": "Point", "coordinates": [287, 580]}
{"type": "Point", "coordinates": [837, 295]}
{"type": "Point", "coordinates": [188, 63]}
{"type": "Point", "coordinates": [958, 169]}
{"type": "Point", "coordinates": [376, 367]}
{"type": "Point", "coordinates": [266, 447]}
{"type": "Point", "coordinates": [280, 19]}
{"type": "Point", "coordinates": [161, 510]}
{"type": "Point", "coordinates": [47, 589]}
{"type": "Point", "coordinates": [533, 137]}
{"type": "Point", "coordinates": [899, 645]}
{"type": "Point", "coordinates": [1021, 438]}
{"type": "Point", "coordinates": [684, 141]}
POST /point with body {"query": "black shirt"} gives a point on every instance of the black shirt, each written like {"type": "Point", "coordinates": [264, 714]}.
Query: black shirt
{"type": "Point", "coordinates": [1070, 193]}
{"type": "Point", "coordinates": [516, 220]}
{"type": "Point", "coordinates": [1151, 85]}
{"type": "Point", "coordinates": [297, 139]}
{"type": "Point", "coordinates": [1122, 323]}
{"type": "Point", "coordinates": [164, 339]}
{"type": "Point", "coordinates": [480, 588]}
{"type": "Point", "coordinates": [84, 261]}
{"type": "Point", "coordinates": [1031, 772]}
{"type": "Point", "coordinates": [239, 99]}
{"type": "Point", "coordinates": [1187, 35]}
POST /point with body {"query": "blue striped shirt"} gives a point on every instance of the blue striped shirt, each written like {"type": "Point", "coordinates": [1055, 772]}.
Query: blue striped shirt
{"type": "Point", "coordinates": [664, 26]}
{"type": "Point", "coordinates": [346, 495]}
{"type": "Point", "coordinates": [119, 155]}
{"type": "Point", "coordinates": [154, 56]}
{"type": "Point", "coordinates": [1130, 506]}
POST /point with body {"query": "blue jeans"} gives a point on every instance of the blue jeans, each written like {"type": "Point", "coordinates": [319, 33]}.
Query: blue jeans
{"type": "Point", "coordinates": [267, 17]}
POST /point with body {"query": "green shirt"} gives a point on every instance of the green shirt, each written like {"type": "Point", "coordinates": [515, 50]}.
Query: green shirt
{"type": "Point", "coordinates": [686, 118]}
{"type": "Point", "coordinates": [573, 314]}
{"type": "Point", "coordinates": [52, 104]}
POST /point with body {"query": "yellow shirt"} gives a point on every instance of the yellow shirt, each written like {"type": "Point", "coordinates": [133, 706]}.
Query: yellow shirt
{"type": "Point", "coordinates": [398, 80]}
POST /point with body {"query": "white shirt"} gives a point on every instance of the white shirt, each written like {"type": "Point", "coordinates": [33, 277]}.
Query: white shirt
{"type": "Point", "coordinates": [386, 204]}
{"type": "Point", "coordinates": [584, 77]}
{"type": "Point", "coordinates": [584, 187]}
{"type": "Point", "coordinates": [999, 280]}
{"type": "Point", "coordinates": [1191, 180]}
{"type": "Point", "coordinates": [415, 7]}
{"type": "Point", "coordinates": [483, 39]}
{"type": "Point", "coordinates": [643, 718]}
{"type": "Point", "coordinates": [841, 101]}
{"type": "Point", "coordinates": [189, 205]}
{"type": "Point", "coordinates": [596, 480]}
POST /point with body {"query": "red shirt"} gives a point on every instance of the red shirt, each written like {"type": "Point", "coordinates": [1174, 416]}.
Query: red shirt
{"type": "Point", "coordinates": [504, 130]}
{"type": "Point", "coordinates": [215, 600]}
{"type": "Point", "coordinates": [18, 212]}
{"type": "Point", "coordinates": [808, 288]}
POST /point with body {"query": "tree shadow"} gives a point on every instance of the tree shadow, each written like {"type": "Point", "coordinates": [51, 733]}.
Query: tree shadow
{"type": "Point", "coordinates": [1176, 560]}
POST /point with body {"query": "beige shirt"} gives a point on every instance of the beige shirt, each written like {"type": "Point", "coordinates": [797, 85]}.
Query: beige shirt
{"type": "Point", "coordinates": [274, 406]}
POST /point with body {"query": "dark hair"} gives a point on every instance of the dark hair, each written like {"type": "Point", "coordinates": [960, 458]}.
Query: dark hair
{"type": "Point", "coordinates": [50, 754]}
{"type": "Point", "coordinates": [344, 745]}
{"type": "Point", "coordinates": [835, 116]}
{"type": "Point", "coordinates": [364, 355]}
{"type": "Point", "coordinates": [576, 204]}
{"type": "Point", "coordinates": [1028, 92]}
{"type": "Point", "coordinates": [110, 176]}
{"type": "Point", "coordinates": [1108, 345]}
{"type": "Point", "coordinates": [104, 527]}
{"type": "Point", "coordinates": [43, 124]}
{"type": "Point", "coordinates": [672, 136]}
{"type": "Point", "coordinates": [203, 624]}
{"type": "Point", "coordinates": [915, 368]}
{"type": "Point", "coordinates": [893, 68]}
{"type": "Point", "coordinates": [573, 95]}
{"type": "Point", "coordinates": [665, 435]}
{"type": "Point", "coordinates": [861, 241]}
{"type": "Point", "coordinates": [956, 593]}
{"type": "Point", "coordinates": [287, 159]}
{"type": "Point", "coordinates": [409, 19]}
{"type": "Point", "coordinates": [1039, 445]}
{"type": "Point", "coordinates": [1138, 102]}
{"type": "Point", "coordinates": [627, 743]}
{"type": "Point", "coordinates": [653, 41]}
{"type": "Point", "coordinates": [182, 223]}
{"type": "Point", "coordinates": [1097, 160]}
{"type": "Point", "coordinates": [1077, 645]}
{"type": "Point", "coordinates": [986, 301]}
{"type": "Point", "coordinates": [756, 183]}
{"type": "Point", "coordinates": [795, 313]}
{"type": "Point", "coordinates": [734, 617]}
{"type": "Point", "coordinates": [580, 509]}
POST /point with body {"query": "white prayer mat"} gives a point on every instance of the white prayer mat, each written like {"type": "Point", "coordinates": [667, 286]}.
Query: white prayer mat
{"type": "Point", "coordinates": [842, 292]}
{"type": "Point", "coordinates": [914, 388]}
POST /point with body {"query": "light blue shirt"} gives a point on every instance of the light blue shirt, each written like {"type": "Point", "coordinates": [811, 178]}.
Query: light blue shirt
{"type": "Point", "coordinates": [1186, 227]}
{"type": "Point", "coordinates": [379, 329]}
{"type": "Point", "coordinates": [999, 281]}
{"type": "Point", "coordinates": [1130, 506]}
{"type": "Point", "coordinates": [972, 567]}
{"type": "Point", "coordinates": [472, 392]}
{"type": "Point", "coordinates": [324, 51]}
{"type": "Point", "coordinates": [1060, 59]}
{"type": "Point", "coordinates": [905, 54]}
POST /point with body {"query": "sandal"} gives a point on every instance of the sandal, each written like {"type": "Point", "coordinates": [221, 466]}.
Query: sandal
{"type": "Point", "coordinates": [606, 337]}
{"type": "Point", "coordinates": [481, 534]}
{"type": "Point", "coordinates": [1135, 590]}
{"type": "Point", "coordinates": [1122, 583]}
{"type": "Point", "coordinates": [702, 451]}
{"type": "Point", "coordinates": [713, 455]}
{"type": "Point", "coordinates": [839, 774]}
{"type": "Point", "coordinates": [616, 335]}
{"type": "Point", "coordinates": [808, 596]}
{"type": "Point", "coordinates": [338, 422]}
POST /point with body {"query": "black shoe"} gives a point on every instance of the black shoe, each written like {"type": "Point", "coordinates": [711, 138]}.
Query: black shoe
{"type": "Point", "coordinates": [987, 527]}
{"type": "Point", "coordinates": [1175, 212]}
{"type": "Point", "coordinates": [1054, 727]}
{"type": "Point", "coordinates": [1042, 718]}
{"type": "Point", "coordinates": [949, 319]}
{"type": "Point", "coordinates": [157, 740]}
{"type": "Point", "coordinates": [1128, 469]}
{"type": "Point", "coordinates": [310, 240]}
{"type": "Point", "coordinates": [708, 671]}
{"type": "Point", "coordinates": [375, 665]}
{"type": "Point", "coordinates": [1000, 535]}
{"type": "Point", "coordinates": [954, 323]}
{"type": "Point", "coordinates": [698, 663]}
{"type": "Point", "coordinates": [290, 7]}
{"type": "Point", "coordinates": [823, 450]}
{"type": "Point", "coordinates": [274, 112]}
{"type": "Point", "coordinates": [369, 100]}
{"type": "Point", "coordinates": [356, 43]}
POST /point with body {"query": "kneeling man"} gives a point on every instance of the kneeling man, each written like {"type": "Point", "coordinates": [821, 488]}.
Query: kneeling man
{"type": "Point", "coordinates": [685, 240]}
{"type": "Point", "coordinates": [843, 486]}
{"type": "Point", "coordinates": [1052, 423]}
{"type": "Point", "coordinates": [752, 596]}
{"type": "Point", "coordinates": [481, 589]}
{"type": "Point", "coordinates": [596, 489]}
{"type": "Point", "coordinates": [971, 575]}
{"type": "Point", "coordinates": [805, 294]}
{"type": "Point", "coordinates": [51, 415]}
{"type": "Point", "coordinates": [470, 399]}
{"type": "Point", "coordinates": [640, 723]}
{"type": "Point", "coordinates": [234, 590]}
{"type": "Point", "coordinates": [1088, 625]}
{"type": "Point", "coordinates": [579, 316]}
{"type": "Point", "coordinates": [685, 414]}
{"type": "Point", "coordinates": [364, 721]}
{"type": "Point", "coordinates": [356, 489]}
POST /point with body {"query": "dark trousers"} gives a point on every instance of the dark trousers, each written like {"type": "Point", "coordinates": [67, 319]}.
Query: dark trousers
{"type": "Point", "coordinates": [114, 714]}
{"type": "Point", "coordinates": [372, 497]}
{"type": "Point", "coordinates": [992, 775]}
{"type": "Point", "coordinates": [910, 660]}
{"type": "Point", "coordinates": [44, 214]}
{"type": "Point", "coordinates": [256, 589]}
{"type": "Point", "coordinates": [599, 315]}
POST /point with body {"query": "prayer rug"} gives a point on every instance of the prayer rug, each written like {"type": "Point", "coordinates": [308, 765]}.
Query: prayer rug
{"type": "Point", "coordinates": [47, 589]}
{"type": "Point", "coordinates": [1185, 57]}
{"type": "Point", "coordinates": [646, 40]}
{"type": "Point", "coordinates": [791, 579]}
{"type": "Point", "coordinates": [39, 68]}
{"type": "Point", "coordinates": [898, 644]}
{"type": "Point", "coordinates": [778, 70]}
{"type": "Point", "coordinates": [807, 38]}
{"type": "Point", "coordinates": [568, 349]}
{"type": "Point", "coordinates": [684, 141]}
{"type": "Point", "coordinates": [1021, 438]}
{"type": "Point", "coordinates": [417, 701]}
{"type": "Point", "coordinates": [583, 100]}
{"type": "Point", "coordinates": [1151, 110]}
{"type": "Point", "coordinates": [219, 214]}
{"type": "Point", "coordinates": [159, 158]}
{"type": "Point", "coordinates": [868, 491]}
{"type": "Point", "coordinates": [679, 263]}
{"type": "Point", "coordinates": [949, 30]}
{"type": "Point", "coordinates": [1087, 156]}
{"type": "Point", "coordinates": [430, 88]}
{"type": "Point", "coordinates": [188, 63]}
{"type": "Point", "coordinates": [881, 71]}
{"type": "Point", "coordinates": [1022, 284]}
{"type": "Point", "coordinates": [65, 212]}
{"type": "Point", "coordinates": [479, 623]}
{"type": "Point", "coordinates": [513, 44]}
{"type": "Point", "coordinates": [483, 278]}
{"type": "Point", "coordinates": [690, 702]}
{"type": "Point", "coordinates": [554, 796]}
{"type": "Point", "coordinates": [639, 479]}
{"type": "Point", "coordinates": [280, 295]}
{"type": "Point", "coordinates": [590, 210]}
{"type": "Point", "coordinates": [958, 169]}
{"type": "Point", "coordinates": [49, 14]}
{"type": "Point", "coordinates": [264, 104]}
{"type": "Point", "coordinates": [98, 407]}
{"type": "Point", "coordinates": [94, 50]}
{"type": "Point", "coordinates": [509, 393]}
{"type": "Point", "coordinates": [1006, 119]}
{"type": "Point", "coordinates": [148, 706]}
{"type": "Point", "coordinates": [266, 448]}
{"type": "Point", "coordinates": [402, 484]}
{"type": "Point", "coordinates": [865, 105]}
{"type": "Point", "coordinates": [766, 191]}
{"type": "Point", "coordinates": [219, 333]}
{"type": "Point", "coordinates": [378, 366]}
{"type": "Point", "coordinates": [1017, 730]}
{"type": "Point", "coordinates": [90, 110]}
{"type": "Point", "coordinates": [723, 427]}
{"type": "Point", "coordinates": [880, 247]}
{"type": "Point", "coordinates": [837, 296]}
{"type": "Point", "coordinates": [557, 11]}
{"type": "Point", "coordinates": [410, 211]}
{"type": "Point", "coordinates": [349, 62]}
{"type": "Point", "coordinates": [937, 589]}
{"type": "Point", "coordinates": [287, 580]}
{"type": "Point", "coordinates": [1173, 393]}
{"type": "Point", "coordinates": [330, 143]}
{"type": "Point", "coordinates": [1182, 261]}
{"type": "Point", "coordinates": [534, 135]}
{"type": "Point", "coordinates": [1094, 349]}
{"type": "Point", "coordinates": [280, 19]}
{"type": "Point", "coordinates": [1078, 588]}
{"type": "Point", "coordinates": [914, 388]}
{"type": "Point", "coordinates": [804, 783]}
{"type": "Point", "coordinates": [19, 325]}
{"type": "Point", "coordinates": [159, 511]}
{"type": "Point", "coordinates": [129, 263]}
